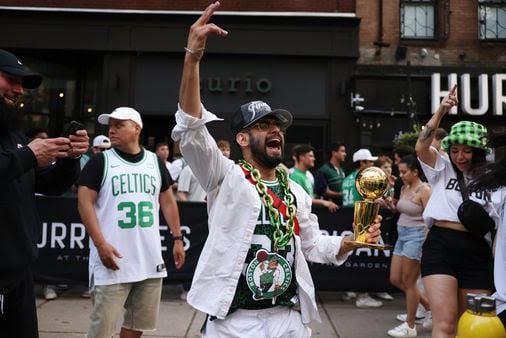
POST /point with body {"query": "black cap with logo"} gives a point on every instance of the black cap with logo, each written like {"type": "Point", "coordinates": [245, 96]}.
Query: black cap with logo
{"type": "Point", "coordinates": [248, 114]}
{"type": "Point", "coordinates": [10, 64]}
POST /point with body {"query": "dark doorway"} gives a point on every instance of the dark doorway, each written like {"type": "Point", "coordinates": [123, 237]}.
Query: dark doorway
{"type": "Point", "coordinates": [157, 129]}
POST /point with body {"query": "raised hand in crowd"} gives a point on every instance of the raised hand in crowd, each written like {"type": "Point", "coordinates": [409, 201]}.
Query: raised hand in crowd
{"type": "Point", "coordinates": [449, 101]}
{"type": "Point", "coordinates": [200, 30]}
{"type": "Point", "coordinates": [427, 134]}
{"type": "Point", "coordinates": [189, 92]}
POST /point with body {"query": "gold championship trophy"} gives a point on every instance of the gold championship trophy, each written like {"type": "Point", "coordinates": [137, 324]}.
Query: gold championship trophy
{"type": "Point", "coordinates": [371, 184]}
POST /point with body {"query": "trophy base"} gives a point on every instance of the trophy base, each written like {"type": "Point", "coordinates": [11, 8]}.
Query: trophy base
{"type": "Point", "coordinates": [357, 244]}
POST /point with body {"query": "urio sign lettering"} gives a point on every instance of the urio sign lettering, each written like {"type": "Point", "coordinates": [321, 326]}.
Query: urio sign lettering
{"type": "Point", "coordinates": [464, 89]}
{"type": "Point", "coordinates": [234, 85]}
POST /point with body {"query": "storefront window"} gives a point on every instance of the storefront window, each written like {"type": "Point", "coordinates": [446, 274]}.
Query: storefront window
{"type": "Point", "coordinates": [492, 14]}
{"type": "Point", "coordinates": [417, 19]}
{"type": "Point", "coordinates": [68, 92]}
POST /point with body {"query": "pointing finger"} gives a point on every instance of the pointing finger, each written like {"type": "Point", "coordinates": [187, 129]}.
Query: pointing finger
{"type": "Point", "coordinates": [208, 13]}
{"type": "Point", "coordinates": [453, 91]}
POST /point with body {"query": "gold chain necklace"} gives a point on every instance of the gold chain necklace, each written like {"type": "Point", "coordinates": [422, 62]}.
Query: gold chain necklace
{"type": "Point", "coordinates": [280, 239]}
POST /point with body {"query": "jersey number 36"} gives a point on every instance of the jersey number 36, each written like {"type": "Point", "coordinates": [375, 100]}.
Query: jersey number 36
{"type": "Point", "coordinates": [140, 213]}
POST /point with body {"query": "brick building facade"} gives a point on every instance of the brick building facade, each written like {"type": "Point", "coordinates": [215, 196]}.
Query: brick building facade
{"type": "Point", "coordinates": [455, 43]}
{"type": "Point", "coordinates": [227, 5]}
{"type": "Point", "coordinates": [393, 67]}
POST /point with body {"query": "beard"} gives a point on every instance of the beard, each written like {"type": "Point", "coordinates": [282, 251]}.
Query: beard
{"type": "Point", "coordinates": [10, 118]}
{"type": "Point", "coordinates": [260, 155]}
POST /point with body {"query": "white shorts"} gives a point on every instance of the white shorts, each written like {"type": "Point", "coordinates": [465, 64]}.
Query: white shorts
{"type": "Point", "coordinates": [276, 322]}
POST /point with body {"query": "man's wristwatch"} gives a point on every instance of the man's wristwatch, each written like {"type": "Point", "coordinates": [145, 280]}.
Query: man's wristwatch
{"type": "Point", "coordinates": [178, 238]}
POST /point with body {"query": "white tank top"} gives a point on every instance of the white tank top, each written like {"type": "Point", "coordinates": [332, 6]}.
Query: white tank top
{"type": "Point", "coordinates": [127, 210]}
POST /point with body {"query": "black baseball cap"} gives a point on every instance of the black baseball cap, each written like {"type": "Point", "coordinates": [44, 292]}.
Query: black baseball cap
{"type": "Point", "coordinates": [248, 114]}
{"type": "Point", "coordinates": [10, 64]}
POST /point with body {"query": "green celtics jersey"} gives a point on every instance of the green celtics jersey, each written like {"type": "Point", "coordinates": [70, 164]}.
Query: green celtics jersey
{"type": "Point", "coordinates": [350, 193]}
{"type": "Point", "coordinates": [332, 178]}
{"type": "Point", "coordinates": [268, 278]}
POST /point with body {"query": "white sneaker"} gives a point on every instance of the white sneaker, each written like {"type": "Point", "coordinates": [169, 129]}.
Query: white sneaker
{"type": "Point", "coordinates": [402, 317]}
{"type": "Point", "coordinates": [420, 310]}
{"type": "Point", "coordinates": [384, 296]}
{"type": "Point", "coordinates": [402, 331]}
{"type": "Point", "coordinates": [349, 295]}
{"type": "Point", "coordinates": [364, 301]}
{"type": "Point", "coordinates": [427, 322]}
{"type": "Point", "coordinates": [49, 292]}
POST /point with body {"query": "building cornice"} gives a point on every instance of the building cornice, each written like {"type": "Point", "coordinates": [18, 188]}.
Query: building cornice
{"type": "Point", "coordinates": [172, 12]}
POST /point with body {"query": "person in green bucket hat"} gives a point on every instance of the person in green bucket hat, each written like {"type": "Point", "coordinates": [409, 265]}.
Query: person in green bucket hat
{"type": "Point", "coordinates": [454, 262]}
{"type": "Point", "coordinates": [467, 133]}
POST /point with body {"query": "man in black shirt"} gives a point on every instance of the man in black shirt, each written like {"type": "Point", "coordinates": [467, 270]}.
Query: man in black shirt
{"type": "Point", "coordinates": [48, 166]}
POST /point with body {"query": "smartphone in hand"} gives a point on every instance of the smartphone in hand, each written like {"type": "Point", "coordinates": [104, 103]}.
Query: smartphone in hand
{"type": "Point", "coordinates": [72, 128]}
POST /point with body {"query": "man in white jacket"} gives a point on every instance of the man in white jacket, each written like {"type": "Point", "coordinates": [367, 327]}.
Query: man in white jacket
{"type": "Point", "coordinates": [252, 278]}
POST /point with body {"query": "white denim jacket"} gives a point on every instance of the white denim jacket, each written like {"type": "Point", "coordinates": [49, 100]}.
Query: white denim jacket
{"type": "Point", "coordinates": [233, 206]}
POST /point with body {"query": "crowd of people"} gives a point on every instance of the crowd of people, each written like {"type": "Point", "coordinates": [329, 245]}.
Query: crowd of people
{"type": "Point", "coordinates": [262, 232]}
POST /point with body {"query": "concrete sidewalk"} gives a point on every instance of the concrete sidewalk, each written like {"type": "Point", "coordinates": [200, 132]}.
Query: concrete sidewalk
{"type": "Point", "coordinates": [68, 317]}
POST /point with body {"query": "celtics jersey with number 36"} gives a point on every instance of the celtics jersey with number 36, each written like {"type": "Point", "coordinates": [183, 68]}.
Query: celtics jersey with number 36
{"type": "Point", "coordinates": [127, 210]}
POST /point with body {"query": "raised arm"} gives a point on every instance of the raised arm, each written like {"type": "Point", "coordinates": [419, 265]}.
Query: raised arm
{"type": "Point", "coordinates": [189, 92]}
{"type": "Point", "coordinates": [427, 134]}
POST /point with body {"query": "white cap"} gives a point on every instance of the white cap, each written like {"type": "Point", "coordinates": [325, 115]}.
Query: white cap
{"type": "Point", "coordinates": [121, 113]}
{"type": "Point", "coordinates": [363, 155]}
{"type": "Point", "coordinates": [102, 141]}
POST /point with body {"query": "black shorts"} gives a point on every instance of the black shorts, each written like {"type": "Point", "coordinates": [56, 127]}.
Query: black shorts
{"type": "Point", "coordinates": [18, 314]}
{"type": "Point", "coordinates": [457, 253]}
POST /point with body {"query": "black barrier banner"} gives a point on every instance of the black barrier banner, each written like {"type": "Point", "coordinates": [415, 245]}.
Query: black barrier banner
{"type": "Point", "coordinates": [365, 269]}
{"type": "Point", "coordinates": [64, 247]}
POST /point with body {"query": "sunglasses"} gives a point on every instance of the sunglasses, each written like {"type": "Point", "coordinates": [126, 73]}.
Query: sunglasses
{"type": "Point", "coordinates": [264, 125]}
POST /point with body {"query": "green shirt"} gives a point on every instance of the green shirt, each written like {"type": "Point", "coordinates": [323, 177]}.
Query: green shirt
{"type": "Point", "coordinates": [330, 177]}
{"type": "Point", "coordinates": [300, 177]}
{"type": "Point", "coordinates": [350, 193]}
{"type": "Point", "coordinates": [263, 238]}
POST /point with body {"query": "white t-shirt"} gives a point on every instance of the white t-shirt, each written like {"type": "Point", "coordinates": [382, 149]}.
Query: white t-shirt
{"type": "Point", "coordinates": [446, 197]}
{"type": "Point", "coordinates": [500, 258]}
{"type": "Point", "coordinates": [176, 167]}
{"type": "Point", "coordinates": [189, 184]}
{"type": "Point", "coordinates": [127, 210]}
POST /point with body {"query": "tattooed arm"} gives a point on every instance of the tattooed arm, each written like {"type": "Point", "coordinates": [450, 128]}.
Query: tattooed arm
{"type": "Point", "coordinates": [426, 136]}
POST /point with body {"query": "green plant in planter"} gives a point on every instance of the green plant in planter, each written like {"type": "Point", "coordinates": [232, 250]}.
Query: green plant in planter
{"type": "Point", "coordinates": [408, 138]}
